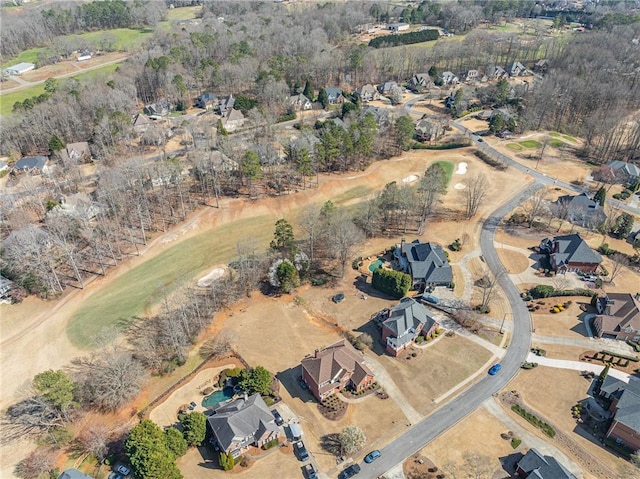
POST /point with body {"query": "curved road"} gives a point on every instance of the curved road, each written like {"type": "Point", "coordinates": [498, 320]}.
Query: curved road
{"type": "Point", "coordinates": [458, 408]}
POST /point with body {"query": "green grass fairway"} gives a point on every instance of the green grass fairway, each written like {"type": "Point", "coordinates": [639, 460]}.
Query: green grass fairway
{"type": "Point", "coordinates": [555, 143]}
{"type": "Point", "coordinates": [448, 167]}
{"type": "Point", "coordinates": [555, 134]}
{"type": "Point", "coordinates": [530, 143]}
{"type": "Point", "coordinates": [8, 99]}
{"type": "Point", "coordinates": [359, 191]}
{"type": "Point", "coordinates": [145, 285]}
{"type": "Point", "coordinates": [514, 147]}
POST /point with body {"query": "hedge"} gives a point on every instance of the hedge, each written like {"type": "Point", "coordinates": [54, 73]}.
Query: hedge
{"type": "Point", "coordinates": [393, 283]}
{"type": "Point", "coordinates": [444, 146]}
{"type": "Point", "coordinates": [498, 165]}
{"type": "Point", "coordinates": [405, 39]}
{"type": "Point", "coordinates": [544, 291]}
{"type": "Point", "coordinates": [543, 426]}
{"type": "Point", "coordinates": [622, 356]}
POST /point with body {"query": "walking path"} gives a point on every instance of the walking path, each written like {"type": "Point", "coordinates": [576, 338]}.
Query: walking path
{"type": "Point", "coordinates": [578, 366]}
{"type": "Point", "coordinates": [384, 379]}
{"type": "Point", "coordinates": [493, 407]}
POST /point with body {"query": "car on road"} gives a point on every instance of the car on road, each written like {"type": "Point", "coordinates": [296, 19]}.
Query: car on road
{"type": "Point", "coordinates": [350, 471]}
{"type": "Point", "coordinates": [479, 139]}
{"type": "Point", "coordinates": [301, 451]}
{"type": "Point", "coordinates": [310, 472]}
{"type": "Point", "coordinates": [277, 417]}
{"type": "Point", "coordinates": [494, 369]}
{"type": "Point", "coordinates": [372, 456]}
{"type": "Point", "coordinates": [122, 469]}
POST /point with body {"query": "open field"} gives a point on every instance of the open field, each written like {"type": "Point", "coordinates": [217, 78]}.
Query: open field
{"type": "Point", "coordinates": [530, 144]}
{"type": "Point", "coordinates": [555, 134]}
{"type": "Point", "coordinates": [564, 389]}
{"type": "Point", "coordinates": [514, 147]}
{"type": "Point", "coordinates": [8, 99]}
{"type": "Point", "coordinates": [435, 369]}
{"type": "Point", "coordinates": [555, 143]}
{"type": "Point", "coordinates": [182, 13]}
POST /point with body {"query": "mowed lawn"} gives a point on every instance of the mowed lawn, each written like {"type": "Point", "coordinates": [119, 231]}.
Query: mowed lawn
{"type": "Point", "coordinates": [144, 286]}
{"type": "Point", "coordinates": [436, 369]}
{"type": "Point", "coordinates": [27, 56]}
{"type": "Point", "coordinates": [530, 144]}
{"type": "Point", "coordinates": [448, 167]}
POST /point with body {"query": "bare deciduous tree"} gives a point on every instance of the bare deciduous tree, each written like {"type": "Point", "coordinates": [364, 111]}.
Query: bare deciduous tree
{"type": "Point", "coordinates": [219, 346]}
{"type": "Point", "coordinates": [36, 464]}
{"type": "Point", "coordinates": [475, 192]}
{"type": "Point", "coordinates": [534, 206]}
{"type": "Point", "coordinates": [344, 237]}
{"type": "Point", "coordinates": [619, 262]}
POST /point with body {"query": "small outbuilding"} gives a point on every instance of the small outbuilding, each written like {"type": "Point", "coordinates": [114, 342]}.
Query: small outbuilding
{"type": "Point", "coordinates": [19, 69]}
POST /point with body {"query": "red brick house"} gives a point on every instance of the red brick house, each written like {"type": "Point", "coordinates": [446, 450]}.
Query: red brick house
{"type": "Point", "coordinates": [570, 253]}
{"type": "Point", "coordinates": [537, 466]}
{"type": "Point", "coordinates": [406, 321]}
{"type": "Point", "coordinates": [618, 317]}
{"type": "Point", "coordinates": [335, 367]}
{"type": "Point", "coordinates": [625, 406]}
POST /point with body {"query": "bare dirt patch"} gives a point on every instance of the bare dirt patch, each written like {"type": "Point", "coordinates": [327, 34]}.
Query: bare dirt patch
{"type": "Point", "coordinates": [8, 84]}
{"type": "Point", "coordinates": [514, 261]}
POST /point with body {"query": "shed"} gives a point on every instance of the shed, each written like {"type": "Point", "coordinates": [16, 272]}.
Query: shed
{"type": "Point", "coordinates": [19, 68]}
{"type": "Point", "coordinates": [296, 431]}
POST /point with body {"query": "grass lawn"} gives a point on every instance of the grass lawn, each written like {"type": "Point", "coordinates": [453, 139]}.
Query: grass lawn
{"type": "Point", "coordinates": [514, 147]}
{"type": "Point", "coordinates": [127, 38]}
{"type": "Point", "coordinates": [28, 56]}
{"type": "Point", "coordinates": [555, 143]}
{"type": "Point", "coordinates": [8, 99]}
{"type": "Point", "coordinates": [530, 143]}
{"type": "Point", "coordinates": [448, 167]}
{"type": "Point", "coordinates": [560, 135]}
{"type": "Point", "coordinates": [360, 191]}
{"type": "Point", "coordinates": [183, 13]}
{"type": "Point", "coordinates": [144, 286]}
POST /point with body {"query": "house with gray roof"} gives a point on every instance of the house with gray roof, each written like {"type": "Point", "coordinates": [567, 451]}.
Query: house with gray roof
{"type": "Point", "coordinates": [618, 317]}
{"type": "Point", "coordinates": [449, 78]}
{"type": "Point", "coordinates": [232, 119]}
{"type": "Point", "coordinates": [570, 253]}
{"type": "Point", "coordinates": [206, 101]}
{"type": "Point", "coordinates": [226, 104]}
{"type": "Point", "coordinates": [517, 69]}
{"type": "Point", "coordinates": [299, 102]}
{"type": "Point", "coordinates": [334, 95]}
{"type": "Point", "coordinates": [625, 405]}
{"type": "Point", "coordinates": [420, 82]}
{"type": "Point", "coordinates": [242, 423]}
{"type": "Point", "coordinates": [626, 169]}
{"type": "Point", "coordinates": [31, 164]}
{"type": "Point", "coordinates": [73, 474]}
{"type": "Point", "coordinates": [579, 210]}
{"type": "Point", "coordinates": [383, 116]}
{"type": "Point", "coordinates": [534, 465]}
{"type": "Point", "coordinates": [335, 367]}
{"type": "Point", "coordinates": [367, 93]}
{"type": "Point", "coordinates": [159, 108]}
{"type": "Point", "coordinates": [406, 321]}
{"type": "Point", "coordinates": [427, 263]}
{"type": "Point", "coordinates": [386, 87]}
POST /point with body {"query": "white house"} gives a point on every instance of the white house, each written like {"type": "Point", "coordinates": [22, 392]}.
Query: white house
{"type": "Point", "coordinates": [398, 27]}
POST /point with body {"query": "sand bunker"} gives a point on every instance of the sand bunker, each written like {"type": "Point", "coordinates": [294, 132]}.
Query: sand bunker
{"type": "Point", "coordinates": [462, 169]}
{"type": "Point", "coordinates": [410, 179]}
{"type": "Point", "coordinates": [214, 275]}
{"type": "Point", "coordinates": [459, 186]}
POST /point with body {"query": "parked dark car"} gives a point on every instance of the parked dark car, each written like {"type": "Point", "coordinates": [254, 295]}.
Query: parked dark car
{"type": "Point", "coordinates": [310, 472]}
{"type": "Point", "coordinates": [277, 417]}
{"type": "Point", "coordinates": [372, 456]}
{"type": "Point", "coordinates": [301, 451]}
{"type": "Point", "coordinates": [338, 298]}
{"type": "Point", "coordinates": [350, 471]}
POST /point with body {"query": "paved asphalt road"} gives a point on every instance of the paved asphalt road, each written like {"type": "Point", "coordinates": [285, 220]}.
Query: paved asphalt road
{"type": "Point", "coordinates": [456, 409]}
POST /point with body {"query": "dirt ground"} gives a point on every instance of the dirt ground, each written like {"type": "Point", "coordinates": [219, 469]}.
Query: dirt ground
{"type": "Point", "coordinates": [8, 83]}
{"type": "Point", "coordinates": [568, 388]}
{"type": "Point", "coordinates": [479, 433]}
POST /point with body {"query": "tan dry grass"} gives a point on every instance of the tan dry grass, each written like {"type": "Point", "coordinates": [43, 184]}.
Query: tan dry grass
{"type": "Point", "coordinates": [513, 261]}
{"type": "Point", "coordinates": [564, 324]}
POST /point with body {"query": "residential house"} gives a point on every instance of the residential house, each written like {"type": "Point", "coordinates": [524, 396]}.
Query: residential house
{"type": "Point", "coordinates": [473, 75]}
{"type": "Point", "coordinates": [406, 321]}
{"type": "Point", "coordinates": [334, 95]}
{"type": "Point", "coordinates": [626, 169]}
{"type": "Point", "coordinates": [232, 119]}
{"type": "Point", "coordinates": [19, 69]}
{"type": "Point", "coordinates": [3, 166]}
{"type": "Point", "coordinates": [73, 474]}
{"type": "Point", "coordinates": [517, 69]}
{"type": "Point", "coordinates": [579, 210]}
{"type": "Point", "coordinates": [6, 285]}
{"type": "Point", "coordinates": [625, 406]}
{"type": "Point", "coordinates": [207, 101]}
{"type": "Point", "coordinates": [334, 368]}
{"type": "Point", "coordinates": [241, 423]}
{"type": "Point", "coordinates": [448, 78]}
{"type": "Point", "coordinates": [78, 152]}
{"type": "Point", "coordinates": [141, 123]}
{"type": "Point", "coordinates": [300, 102]}
{"type": "Point", "coordinates": [618, 317]}
{"type": "Point", "coordinates": [499, 72]}
{"type": "Point", "coordinates": [427, 263]}
{"type": "Point", "coordinates": [226, 104]}
{"type": "Point", "coordinates": [398, 27]}
{"type": "Point", "coordinates": [33, 165]}
{"type": "Point", "coordinates": [429, 129]}
{"type": "Point", "coordinates": [385, 88]}
{"type": "Point", "coordinates": [420, 82]}
{"type": "Point", "coordinates": [383, 116]}
{"type": "Point", "coordinates": [367, 93]}
{"type": "Point", "coordinates": [159, 108]}
{"type": "Point", "coordinates": [570, 253]}
{"type": "Point", "coordinates": [541, 66]}
{"type": "Point", "coordinates": [537, 466]}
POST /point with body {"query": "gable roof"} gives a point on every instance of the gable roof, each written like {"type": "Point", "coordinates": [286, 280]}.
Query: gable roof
{"type": "Point", "coordinates": [628, 406]}
{"type": "Point", "coordinates": [427, 262]}
{"type": "Point", "coordinates": [298, 99]}
{"type": "Point", "coordinates": [621, 311]}
{"type": "Point", "coordinates": [628, 168]}
{"type": "Point", "coordinates": [73, 474]}
{"type": "Point", "coordinates": [227, 103]}
{"type": "Point", "coordinates": [31, 162]}
{"type": "Point", "coordinates": [232, 115]}
{"type": "Point", "coordinates": [335, 360]}
{"type": "Point", "coordinates": [241, 419]}
{"type": "Point", "coordinates": [333, 93]}
{"type": "Point", "coordinates": [77, 151]}
{"type": "Point", "coordinates": [141, 120]}
{"type": "Point", "coordinates": [408, 315]}
{"type": "Point", "coordinates": [536, 465]}
{"type": "Point", "coordinates": [573, 249]}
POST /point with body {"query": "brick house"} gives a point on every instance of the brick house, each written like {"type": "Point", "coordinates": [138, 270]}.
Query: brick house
{"type": "Point", "coordinates": [537, 466]}
{"type": "Point", "coordinates": [335, 367]}
{"type": "Point", "coordinates": [618, 317]}
{"type": "Point", "coordinates": [570, 253]}
{"type": "Point", "coordinates": [625, 406]}
{"type": "Point", "coordinates": [406, 321]}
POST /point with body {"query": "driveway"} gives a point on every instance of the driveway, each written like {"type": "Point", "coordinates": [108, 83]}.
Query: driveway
{"type": "Point", "coordinates": [579, 366]}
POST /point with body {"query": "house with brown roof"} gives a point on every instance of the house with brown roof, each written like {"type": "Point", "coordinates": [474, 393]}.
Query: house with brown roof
{"type": "Point", "coordinates": [405, 322]}
{"type": "Point", "coordinates": [232, 119]}
{"type": "Point", "coordinates": [367, 93]}
{"type": "Point", "coordinates": [78, 152]}
{"type": "Point", "coordinates": [618, 317]}
{"type": "Point", "coordinates": [335, 367]}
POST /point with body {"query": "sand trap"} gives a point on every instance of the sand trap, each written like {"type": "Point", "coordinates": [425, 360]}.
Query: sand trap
{"type": "Point", "coordinates": [410, 179]}
{"type": "Point", "coordinates": [214, 275]}
{"type": "Point", "coordinates": [459, 186]}
{"type": "Point", "coordinates": [462, 169]}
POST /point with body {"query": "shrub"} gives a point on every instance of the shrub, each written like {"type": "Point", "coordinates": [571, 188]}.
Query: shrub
{"type": "Point", "coordinates": [498, 165]}
{"type": "Point", "coordinates": [393, 283]}
{"type": "Point", "coordinates": [455, 246]}
{"type": "Point", "coordinates": [270, 444]}
{"type": "Point", "coordinates": [515, 442]}
{"type": "Point", "coordinates": [555, 310]}
{"type": "Point", "coordinates": [356, 262]}
{"type": "Point", "coordinates": [543, 426]}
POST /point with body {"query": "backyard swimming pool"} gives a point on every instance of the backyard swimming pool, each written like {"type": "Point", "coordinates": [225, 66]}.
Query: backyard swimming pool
{"type": "Point", "coordinates": [216, 397]}
{"type": "Point", "coordinates": [376, 264]}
